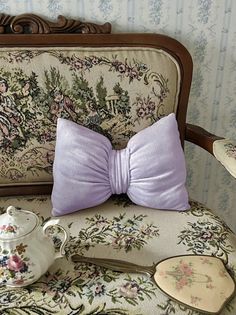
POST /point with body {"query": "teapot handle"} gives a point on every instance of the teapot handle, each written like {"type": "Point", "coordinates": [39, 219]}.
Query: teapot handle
{"type": "Point", "coordinates": [61, 252]}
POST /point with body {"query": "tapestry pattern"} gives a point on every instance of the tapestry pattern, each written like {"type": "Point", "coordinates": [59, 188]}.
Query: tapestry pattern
{"type": "Point", "coordinates": [111, 93]}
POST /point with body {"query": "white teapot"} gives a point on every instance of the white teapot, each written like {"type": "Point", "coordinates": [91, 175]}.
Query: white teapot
{"type": "Point", "coordinates": [26, 251]}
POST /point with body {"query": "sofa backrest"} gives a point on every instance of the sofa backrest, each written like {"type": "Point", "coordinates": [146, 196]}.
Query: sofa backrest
{"type": "Point", "coordinates": [115, 84]}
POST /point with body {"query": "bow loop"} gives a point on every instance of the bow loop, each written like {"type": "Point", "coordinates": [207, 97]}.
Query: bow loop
{"type": "Point", "coordinates": [119, 174]}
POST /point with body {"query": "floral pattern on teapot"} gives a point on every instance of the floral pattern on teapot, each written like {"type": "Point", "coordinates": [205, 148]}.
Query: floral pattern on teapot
{"type": "Point", "coordinates": [8, 229]}
{"type": "Point", "coordinates": [15, 265]}
{"type": "Point", "coordinates": [26, 247]}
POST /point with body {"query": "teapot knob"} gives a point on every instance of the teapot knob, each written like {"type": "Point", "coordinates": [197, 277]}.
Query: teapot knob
{"type": "Point", "coordinates": [11, 210]}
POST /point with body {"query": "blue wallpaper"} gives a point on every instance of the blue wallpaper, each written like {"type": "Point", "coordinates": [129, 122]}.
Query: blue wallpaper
{"type": "Point", "coordinates": [208, 29]}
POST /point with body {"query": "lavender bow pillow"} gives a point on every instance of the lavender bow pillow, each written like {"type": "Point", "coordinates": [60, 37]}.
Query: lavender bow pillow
{"type": "Point", "coordinates": [87, 171]}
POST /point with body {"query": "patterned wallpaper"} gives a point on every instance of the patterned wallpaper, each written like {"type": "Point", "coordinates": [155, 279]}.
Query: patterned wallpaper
{"type": "Point", "coordinates": [208, 29]}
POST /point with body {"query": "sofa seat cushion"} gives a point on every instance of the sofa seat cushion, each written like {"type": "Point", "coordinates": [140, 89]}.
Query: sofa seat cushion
{"type": "Point", "coordinates": [121, 230]}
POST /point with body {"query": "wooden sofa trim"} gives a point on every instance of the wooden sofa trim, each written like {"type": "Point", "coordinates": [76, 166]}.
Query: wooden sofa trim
{"type": "Point", "coordinates": [34, 24]}
{"type": "Point", "coordinates": [201, 137]}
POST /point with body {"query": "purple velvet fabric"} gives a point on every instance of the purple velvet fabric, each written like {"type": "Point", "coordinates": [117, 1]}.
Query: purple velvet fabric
{"type": "Point", "coordinates": [151, 169]}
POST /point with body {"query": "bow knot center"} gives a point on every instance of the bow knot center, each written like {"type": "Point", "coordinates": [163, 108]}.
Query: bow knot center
{"type": "Point", "coordinates": [119, 174]}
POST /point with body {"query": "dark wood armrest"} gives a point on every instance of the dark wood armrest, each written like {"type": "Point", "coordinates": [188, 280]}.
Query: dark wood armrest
{"type": "Point", "coordinates": [201, 137]}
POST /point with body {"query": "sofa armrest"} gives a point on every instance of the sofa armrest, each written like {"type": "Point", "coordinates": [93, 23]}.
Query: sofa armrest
{"type": "Point", "coordinates": [224, 150]}
{"type": "Point", "coordinates": [201, 137]}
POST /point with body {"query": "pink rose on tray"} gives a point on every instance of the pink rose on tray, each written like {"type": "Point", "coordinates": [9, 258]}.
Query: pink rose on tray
{"type": "Point", "coordinates": [15, 263]}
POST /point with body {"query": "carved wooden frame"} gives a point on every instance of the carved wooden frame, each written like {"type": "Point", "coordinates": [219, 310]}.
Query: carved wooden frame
{"type": "Point", "coordinates": [31, 23]}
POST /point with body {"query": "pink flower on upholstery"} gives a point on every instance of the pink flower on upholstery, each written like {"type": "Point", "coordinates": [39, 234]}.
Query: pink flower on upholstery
{"type": "Point", "coordinates": [118, 66]}
{"type": "Point", "coordinates": [121, 68]}
{"type": "Point", "coordinates": [78, 64]}
{"type": "Point", "coordinates": [15, 263]}
{"type": "Point", "coordinates": [99, 289]}
{"type": "Point", "coordinates": [130, 290]}
{"type": "Point", "coordinates": [46, 136]}
{"type": "Point", "coordinates": [145, 107]}
{"type": "Point", "coordinates": [95, 60]}
{"type": "Point", "coordinates": [102, 222]}
{"type": "Point", "coordinates": [132, 73]}
{"type": "Point", "coordinates": [141, 112]}
{"type": "Point", "coordinates": [207, 235]}
{"type": "Point", "coordinates": [118, 242]}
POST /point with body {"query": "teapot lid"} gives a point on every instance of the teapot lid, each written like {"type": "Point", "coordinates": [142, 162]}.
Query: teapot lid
{"type": "Point", "coordinates": [16, 223]}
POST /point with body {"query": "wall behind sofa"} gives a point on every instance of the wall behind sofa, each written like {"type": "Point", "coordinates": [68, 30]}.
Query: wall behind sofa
{"type": "Point", "coordinates": [208, 29]}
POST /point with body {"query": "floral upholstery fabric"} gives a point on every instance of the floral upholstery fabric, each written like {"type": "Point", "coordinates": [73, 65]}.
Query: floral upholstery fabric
{"type": "Point", "coordinates": [225, 152]}
{"type": "Point", "coordinates": [121, 230]}
{"type": "Point", "coordinates": [115, 91]}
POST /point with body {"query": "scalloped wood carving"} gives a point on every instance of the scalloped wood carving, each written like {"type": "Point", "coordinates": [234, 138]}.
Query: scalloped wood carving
{"type": "Point", "coordinates": [31, 23]}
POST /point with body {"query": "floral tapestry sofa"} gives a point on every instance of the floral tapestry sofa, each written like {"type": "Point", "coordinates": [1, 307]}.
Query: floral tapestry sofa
{"type": "Point", "coordinates": [116, 85]}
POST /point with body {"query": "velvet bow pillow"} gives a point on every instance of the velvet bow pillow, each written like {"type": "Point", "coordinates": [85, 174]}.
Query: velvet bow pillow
{"type": "Point", "coordinates": [87, 171]}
